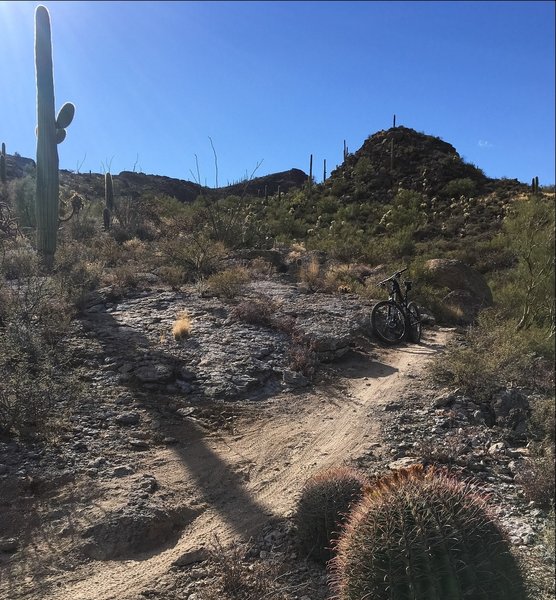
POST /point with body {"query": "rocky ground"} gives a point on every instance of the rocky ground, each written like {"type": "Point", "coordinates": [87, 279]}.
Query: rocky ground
{"type": "Point", "coordinates": [176, 475]}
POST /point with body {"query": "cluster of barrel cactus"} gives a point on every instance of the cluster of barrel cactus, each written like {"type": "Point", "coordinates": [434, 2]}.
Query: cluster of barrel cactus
{"type": "Point", "coordinates": [418, 534]}
{"type": "Point", "coordinates": [51, 130]}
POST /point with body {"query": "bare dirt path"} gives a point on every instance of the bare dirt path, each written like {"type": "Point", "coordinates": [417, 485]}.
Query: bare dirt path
{"type": "Point", "coordinates": [240, 480]}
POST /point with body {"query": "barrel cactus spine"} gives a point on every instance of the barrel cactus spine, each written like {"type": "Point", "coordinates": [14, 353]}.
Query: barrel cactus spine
{"type": "Point", "coordinates": [427, 536]}
{"type": "Point", "coordinates": [51, 130]}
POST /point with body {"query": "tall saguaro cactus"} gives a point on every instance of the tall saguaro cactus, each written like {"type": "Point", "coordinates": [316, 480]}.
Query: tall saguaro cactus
{"type": "Point", "coordinates": [50, 132]}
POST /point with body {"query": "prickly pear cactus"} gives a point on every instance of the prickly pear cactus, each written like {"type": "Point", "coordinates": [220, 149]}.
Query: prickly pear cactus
{"type": "Point", "coordinates": [424, 536]}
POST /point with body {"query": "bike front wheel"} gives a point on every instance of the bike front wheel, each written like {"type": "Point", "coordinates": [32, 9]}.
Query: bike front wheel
{"type": "Point", "coordinates": [388, 322]}
{"type": "Point", "coordinates": [413, 323]}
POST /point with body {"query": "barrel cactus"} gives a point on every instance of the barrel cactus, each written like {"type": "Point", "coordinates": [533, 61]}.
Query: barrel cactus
{"type": "Point", "coordinates": [51, 130]}
{"type": "Point", "coordinates": [323, 506]}
{"type": "Point", "coordinates": [423, 535]}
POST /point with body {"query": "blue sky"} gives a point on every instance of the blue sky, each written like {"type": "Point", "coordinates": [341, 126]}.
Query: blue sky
{"type": "Point", "coordinates": [278, 81]}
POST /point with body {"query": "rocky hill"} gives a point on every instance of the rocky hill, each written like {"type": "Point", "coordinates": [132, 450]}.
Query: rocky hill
{"type": "Point", "coordinates": [404, 158]}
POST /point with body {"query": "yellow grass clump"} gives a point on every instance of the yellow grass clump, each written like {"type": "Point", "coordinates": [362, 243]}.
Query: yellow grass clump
{"type": "Point", "coordinates": [182, 326]}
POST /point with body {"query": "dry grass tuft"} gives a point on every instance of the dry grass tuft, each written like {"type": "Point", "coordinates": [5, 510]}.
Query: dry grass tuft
{"type": "Point", "coordinates": [182, 326]}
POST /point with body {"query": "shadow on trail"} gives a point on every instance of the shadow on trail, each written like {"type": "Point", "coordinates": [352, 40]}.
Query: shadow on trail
{"type": "Point", "coordinates": [220, 486]}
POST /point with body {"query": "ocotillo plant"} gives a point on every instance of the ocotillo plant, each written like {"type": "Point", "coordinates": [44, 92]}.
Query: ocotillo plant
{"type": "Point", "coordinates": [51, 130]}
{"type": "Point", "coordinates": [3, 164]}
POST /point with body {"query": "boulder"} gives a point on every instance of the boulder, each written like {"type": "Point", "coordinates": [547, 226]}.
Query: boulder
{"type": "Point", "coordinates": [463, 305]}
{"type": "Point", "coordinates": [456, 275]}
{"type": "Point", "coordinates": [510, 408]}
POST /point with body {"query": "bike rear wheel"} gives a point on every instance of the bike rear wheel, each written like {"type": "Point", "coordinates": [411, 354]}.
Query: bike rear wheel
{"type": "Point", "coordinates": [388, 322]}
{"type": "Point", "coordinates": [414, 323]}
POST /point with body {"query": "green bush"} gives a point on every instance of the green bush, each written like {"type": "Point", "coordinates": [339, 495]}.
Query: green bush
{"type": "Point", "coordinates": [459, 187]}
{"type": "Point", "coordinates": [229, 283]}
{"type": "Point", "coordinates": [493, 354]}
{"type": "Point", "coordinates": [423, 535]}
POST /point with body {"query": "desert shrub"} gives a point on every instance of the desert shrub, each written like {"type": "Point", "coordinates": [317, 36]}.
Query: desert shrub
{"type": "Point", "coordinates": [259, 311]}
{"type": "Point", "coordinates": [494, 354]}
{"type": "Point", "coordinates": [123, 278]}
{"type": "Point", "coordinates": [34, 372]}
{"type": "Point", "coordinates": [302, 357]}
{"type": "Point", "coordinates": [310, 274]}
{"type": "Point", "coordinates": [18, 259]}
{"type": "Point", "coordinates": [529, 231]}
{"type": "Point", "coordinates": [76, 272]}
{"type": "Point", "coordinates": [448, 451]}
{"type": "Point", "coordinates": [397, 244]}
{"type": "Point", "coordinates": [229, 283]}
{"type": "Point", "coordinates": [542, 421]}
{"type": "Point", "coordinates": [195, 254]}
{"type": "Point", "coordinates": [340, 278]}
{"type": "Point", "coordinates": [135, 219]}
{"type": "Point", "coordinates": [21, 193]}
{"type": "Point", "coordinates": [261, 268]}
{"type": "Point", "coordinates": [423, 534]}
{"type": "Point", "coordinates": [323, 506]}
{"type": "Point", "coordinates": [237, 578]}
{"type": "Point", "coordinates": [459, 187]}
{"type": "Point", "coordinates": [173, 276]}
{"type": "Point", "coordinates": [536, 477]}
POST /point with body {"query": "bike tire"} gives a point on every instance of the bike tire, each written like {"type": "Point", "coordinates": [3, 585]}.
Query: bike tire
{"type": "Point", "coordinates": [388, 322]}
{"type": "Point", "coordinates": [414, 327]}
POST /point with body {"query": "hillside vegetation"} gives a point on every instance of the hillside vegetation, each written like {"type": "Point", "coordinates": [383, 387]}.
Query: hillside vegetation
{"type": "Point", "coordinates": [401, 199]}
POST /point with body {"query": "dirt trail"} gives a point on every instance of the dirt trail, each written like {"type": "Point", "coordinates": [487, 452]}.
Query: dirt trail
{"type": "Point", "coordinates": [248, 477]}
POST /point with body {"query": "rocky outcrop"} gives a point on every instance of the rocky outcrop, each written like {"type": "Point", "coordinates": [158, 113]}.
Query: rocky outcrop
{"type": "Point", "coordinates": [223, 357]}
{"type": "Point", "coordinates": [456, 275]}
{"type": "Point", "coordinates": [469, 291]}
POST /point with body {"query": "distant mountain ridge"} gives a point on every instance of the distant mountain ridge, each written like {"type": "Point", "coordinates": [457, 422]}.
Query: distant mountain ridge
{"type": "Point", "coordinates": [134, 183]}
{"type": "Point", "coordinates": [388, 160]}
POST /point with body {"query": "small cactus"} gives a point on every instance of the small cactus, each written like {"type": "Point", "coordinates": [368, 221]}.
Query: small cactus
{"type": "Point", "coordinates": [426, 536]}
{"type": "Point", "coordinates": [3, 164]}
{"type": "Point", "coordinates": [108, 192]}
{"type": "Point", "coordinates": [322, 507]}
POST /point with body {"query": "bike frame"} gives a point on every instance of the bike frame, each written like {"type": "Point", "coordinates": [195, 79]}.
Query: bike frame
{"type": "Point", "coordinates": [396, 294]}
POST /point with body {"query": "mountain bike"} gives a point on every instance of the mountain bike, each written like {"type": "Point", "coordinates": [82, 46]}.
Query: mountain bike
{"type": "Point", "coordinates": [396, 319]}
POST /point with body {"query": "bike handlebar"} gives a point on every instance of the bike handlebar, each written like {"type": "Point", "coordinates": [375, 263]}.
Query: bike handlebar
{"type": "Point", "coordinates": [394, 276]}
